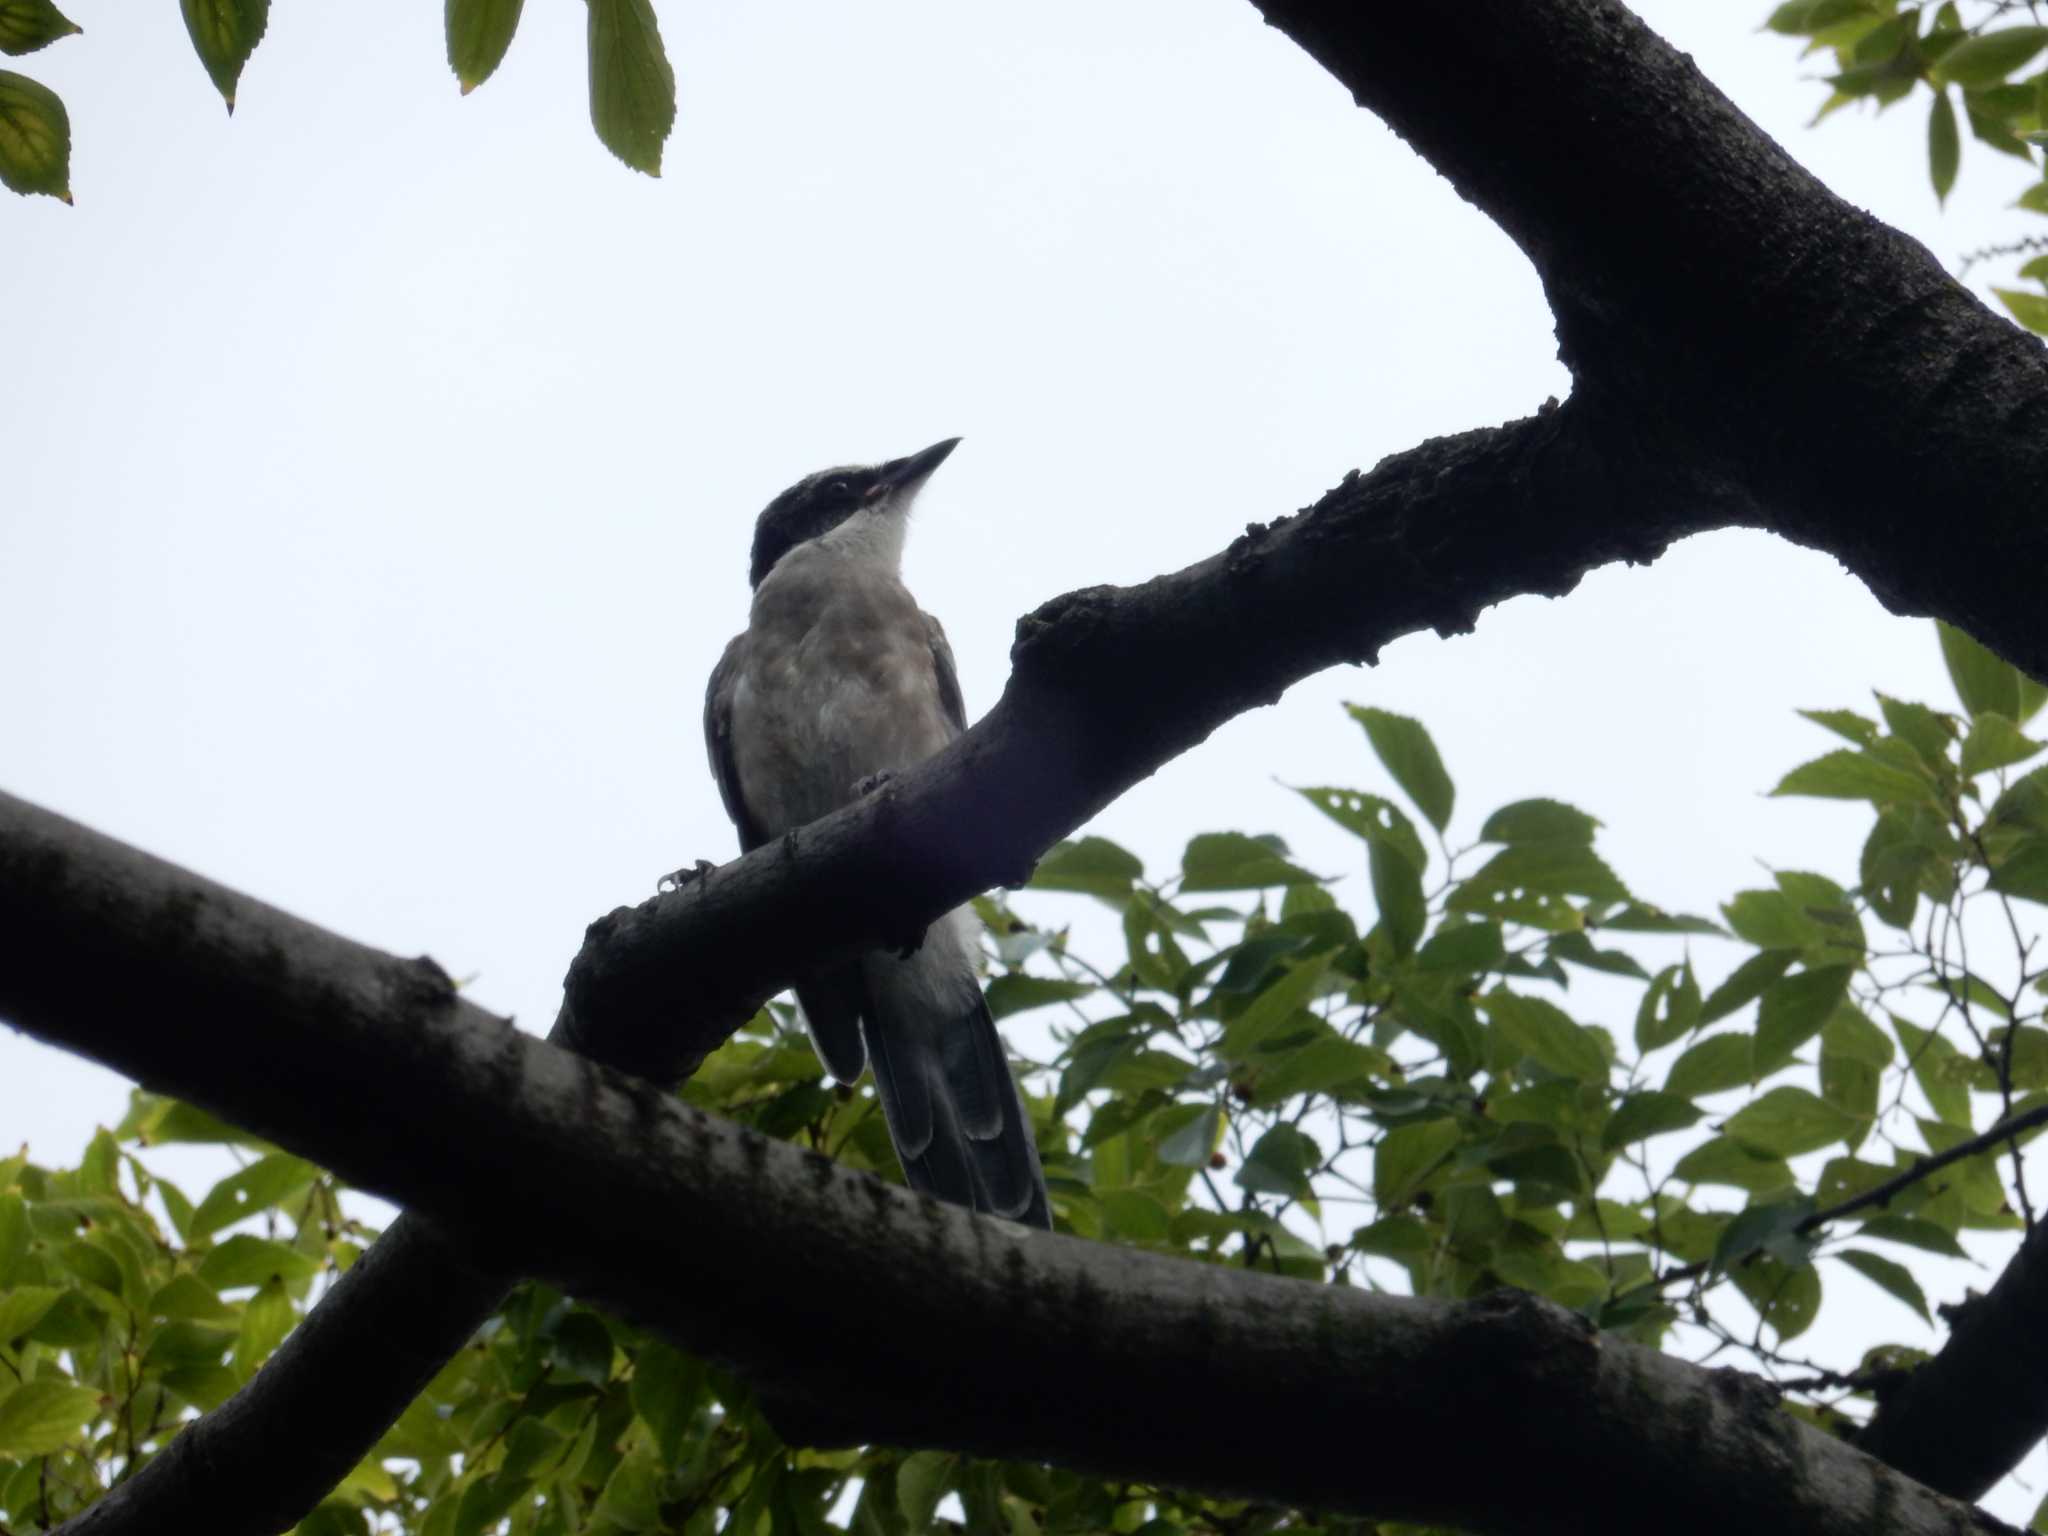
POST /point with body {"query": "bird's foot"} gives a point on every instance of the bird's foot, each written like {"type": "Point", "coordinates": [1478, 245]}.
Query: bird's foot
{"type": "Point", "coordinates": [677, 879]}
{"type": "Point", "coordinates": [862, 788]}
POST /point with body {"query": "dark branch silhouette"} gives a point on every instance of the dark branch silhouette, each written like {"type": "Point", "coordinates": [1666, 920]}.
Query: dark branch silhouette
{"type": "Point", "coordinates": [1123, 1363]}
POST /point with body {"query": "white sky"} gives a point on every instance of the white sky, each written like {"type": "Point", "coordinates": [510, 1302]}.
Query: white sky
{"type": "Point", "coordinates": [380, 465]}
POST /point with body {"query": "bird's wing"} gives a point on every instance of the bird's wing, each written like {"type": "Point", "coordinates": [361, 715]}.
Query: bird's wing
{"type": "Point", "coordinates": [718, 742]}
{"type": "Point", "coordinates": [949, 678]}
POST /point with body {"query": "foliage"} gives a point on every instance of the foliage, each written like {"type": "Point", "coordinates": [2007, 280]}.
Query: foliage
{"type": "Point", "coordinates": [1479, 1082]}
{"type": "Point", "coordinates": [632, 87]}
{"type": "Point", "coordinates": [1976, 56]}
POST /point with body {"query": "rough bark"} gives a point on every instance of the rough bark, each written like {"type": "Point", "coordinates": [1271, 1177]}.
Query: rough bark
{"type": "Point", "coordinates": [1967, 1417]}
{"type": "Point", "coordinates": [1124, 1363]}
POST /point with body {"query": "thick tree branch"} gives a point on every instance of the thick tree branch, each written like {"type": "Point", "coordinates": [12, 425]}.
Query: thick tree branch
{"type": "Point", "coordinates": [1870, 405]}
{"type": "Point", "coordinates": [1123, 1363]}
{"type": "Point", "coordinates": [1109, 685]}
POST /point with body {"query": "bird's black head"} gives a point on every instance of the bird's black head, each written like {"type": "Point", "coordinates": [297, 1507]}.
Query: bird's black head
{"type": "Point", "coordinates": [818, 503]}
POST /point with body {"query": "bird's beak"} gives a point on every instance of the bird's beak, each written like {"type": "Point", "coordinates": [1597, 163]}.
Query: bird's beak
{"type": "Point", "coordinates": [900, 476]}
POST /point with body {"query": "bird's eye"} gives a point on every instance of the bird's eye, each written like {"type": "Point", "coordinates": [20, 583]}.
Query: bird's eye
{"type": "Point", "coordinates": [838, 486]}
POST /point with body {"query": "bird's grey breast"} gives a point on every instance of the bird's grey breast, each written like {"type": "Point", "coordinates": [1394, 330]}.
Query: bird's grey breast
{"type": "Point", "coordinates": [839, 683]}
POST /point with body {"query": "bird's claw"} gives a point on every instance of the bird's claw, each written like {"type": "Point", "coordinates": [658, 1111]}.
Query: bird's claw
{"type": "Point", "coordinates": [862, 788]}
{"type": "Point", "coordinates": [675, 880]}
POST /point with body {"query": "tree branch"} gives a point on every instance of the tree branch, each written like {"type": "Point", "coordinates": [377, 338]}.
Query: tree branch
{"type": "Point", "coordinates": [1109, 685]}
{"type": "Point", "coordinates": [1122, 1363]}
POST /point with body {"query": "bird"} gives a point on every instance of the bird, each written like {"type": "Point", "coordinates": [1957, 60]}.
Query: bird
{"type": "Point", "coordinates": [839, 681]}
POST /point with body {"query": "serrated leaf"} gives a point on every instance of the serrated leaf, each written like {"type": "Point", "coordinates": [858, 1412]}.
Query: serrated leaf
{"type": "Point", "coordinates": [35, 138]}
{"type": "Point", "coordinates": [247, 1260]}
{"type": "Point", "coordinates": [1792, 1012]}
{"type": "Point", "coordinates": [224, 33]}
{"type": "Point", "coordinates": [632, 87]}
{"type": "Point", "coordinates": [1745, 983]}
{"type": "Point", "coordinates": [266, 1318]}
{"type": "Point", "coordinates": [1018, 993]}
{"type": "Point", "coordinates": [2030, 309]}
{"type": "Point", "coordinates": [1889, 1276]}
{"type": "Point", "coordinates": [26, 25]}
{"type": "Point", "coordinates": [1845, 723]}
{"type": "Point", "coordinates": [1539, 821]}
{"type": "Point", "coordinates": [1772, 1229]}
{"type": "Point", "coordinates": [23, 1307]}
{"type": "Point", "coordinates": [1713, 1065]}
{"type": "Point", "coordinates": [1914, 1233]}
{"type": "Point", "coordinates": [1670, 1008]}
{"type": "Point", "coordinates": [1854, 776]}
{"type": "Point", "coordinates": [921, 1481]}
{"type": "Point", "coordinates": [1407, 1156]}
{"type": "Point", "coordinates": [1192, 1145]}
{"type": "Point", "coordinates": [1787, 1299]}
{"type": "Point", "coordinates": [1722, 1161]}
{"type": "Point", "coordinates": [1788, 1121]}
{"type": "Point", "coordinates": [1983, 679]}
{"type": "Point", "coordinates": [41, 1416]}
{"type": "Point", "coordinates": [479, 32]}
{"type": "Point", "coordinates": [1990, 56]}
{"type": "Point", "coordinates": [1544, 1031]}
{"type": "Point", "coordinates": [1643, 1115]}
{"type": "Point", "coordinates": [1094, 866]}
{"type": "Point", "coordinates": [1405, 750]}
{"type": "Point", "coordinates": [1995, 742]}
{"type": "Point", "coordinates": [255, 1188]}
{"type": "Point", "coordinates": [1234, 861]}
{"type": "Point", "coordinates": [1280, 1163]}
{"type": "Point", "coordinates": [1275, 1007]}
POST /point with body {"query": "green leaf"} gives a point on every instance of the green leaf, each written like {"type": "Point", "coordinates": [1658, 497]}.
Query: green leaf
{"type": "Point", "coordinates": [1322, 1065]}
{"type": "Point", "coordinates": [255, 1188]}
{"type": "Point", "coordinates": [1845, 723]}
{"type": "Point", "coordinates": [39, 1417]}
{"type": "Point", "coordinates": [1787, 1299]}
{"type": "Point", "coordinates": [1542, 1030]}
{"type": "Point", "coordinates": [666, 1390]}
{"type": "Point", "coordinates": [1788, 1121]}
{"type": "Point", "coordinates": [1995, 742]}
{"type": "Point", "coordinates": [23, 1307]}
{"type": "Point", "coordinates": [1281, 1164]}
{"type": "Point", "coordinates": [1018, 993]}
{"type": "Point", "coordinates": [632, 88]}
{"type": "Point", "coordinates": [14, 1236]}
{"type": "Point", "coordinates": [1192, 1145]}
{"type": "Point", "coordinates": [479, 32]}
{"type": "Point", "coordinates": [26, 25]}
{"type": "Point", "coordinates": [246, 1260]}
{"type": "Point", "coordinates": [1397, 894]}
{"type": "Point", "coordinates": [1984, 680]}
{"type": "Point", "coordinates": [1891, 1277]}
{"type": "Point", "coordinates": [224, 33]}
{"type": "Point", "coordinates": [1539, 821]}
{"type": "Point", "coordinates": [1767, 1229]}
{"type": "Point", "coordinates": [1233, 861]}
{"type": "Point", "coordinates": [921, 1481]}
{"type": "Point", "coordinates": [1643, 1115]}
{"type": "Point", "coordinates": [1722, 1161]}
{"type": "Point", "coordinates": [2030, 309]}
{"type": "Point", "coordinates": [1714, 1065]}
{"type": "Point", "coordinates": [1792, 1012]}
{"type": "Point", "coordinates": [1670, 1008]}
{"type": "Point", "coordinates": [1990, 56]}
{"type": "Point", "coordinates": [1944, 146]}
{"type": "Point", "coordinates": [1942, 1072]}
{"type": "Point", "coordinates": [1848, 775]}
{"type": "Point", "coordinates": [1276, 1007]}
{"type": "Point", "coordinates": [1372, 817]}
{"type": "Point", "coordinates": [1405, 750]}
{"type": "Point", "coordinates": [1407, 1156]}
{"type": "Point", "coordinates": [266, 1318]}
{"type": "Point", "coordinates": [35, 138]}
{"type": "Point", "coordinates": [1554, 867]}
{"type": "Point", "coordinates": [1914, 1233]}
{"type": "Point", "coordinates": [1853, 1055]}
{"type": "Point", "coordinates": [1745, 984]}
{"type": "Point", "coordinates": [1092, 865]}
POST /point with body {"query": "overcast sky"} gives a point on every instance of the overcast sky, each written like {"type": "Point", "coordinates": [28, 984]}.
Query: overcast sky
{"type": "Point", "coordinates": [380, 464]}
